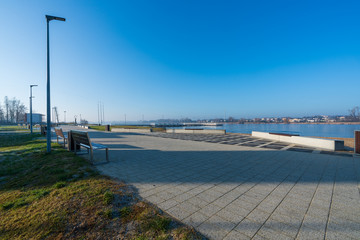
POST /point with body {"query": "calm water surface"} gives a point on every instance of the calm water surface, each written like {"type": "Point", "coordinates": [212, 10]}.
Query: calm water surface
{"type": "Point", "coordinates": [321, 130]}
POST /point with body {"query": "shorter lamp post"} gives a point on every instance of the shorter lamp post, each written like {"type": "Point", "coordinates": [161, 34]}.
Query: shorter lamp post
{"type": "Point", "coordinates": [31, 97]}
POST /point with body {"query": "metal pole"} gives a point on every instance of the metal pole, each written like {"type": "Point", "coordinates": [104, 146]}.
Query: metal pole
{"type": "Point", "coordinates": [48, 123]}
{"type": "Point", "coordinates": [64, 116]}
{"type": "Point", "coordinates": [31, 129]}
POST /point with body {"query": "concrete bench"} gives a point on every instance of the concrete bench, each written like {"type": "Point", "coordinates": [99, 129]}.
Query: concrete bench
{"type": "Point", "coordinates": [328, 144]}
{"type": "Point", "coordinates": [82, 139]}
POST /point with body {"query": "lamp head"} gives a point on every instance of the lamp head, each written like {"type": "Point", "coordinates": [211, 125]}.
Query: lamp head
{"type": "Point", "coordinates": [49, 18]}
{"type": "Point", "coordinates": [33, 85]}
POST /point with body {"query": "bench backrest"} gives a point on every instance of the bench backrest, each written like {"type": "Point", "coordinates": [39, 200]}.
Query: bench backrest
{"type": "Point", "coordinates": [59, 132]}
{"type": "Point", "coordinates": [81, 137]}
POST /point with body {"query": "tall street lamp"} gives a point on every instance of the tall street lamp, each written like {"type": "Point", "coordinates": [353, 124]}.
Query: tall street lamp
{"type": "Point", "coordinates": [31, 97]}
{"type": "Point", "coordinates": [48, 123]}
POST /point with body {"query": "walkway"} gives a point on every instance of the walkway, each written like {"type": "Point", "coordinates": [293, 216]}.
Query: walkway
{"type": "Point", "coordinates": [240, 192]}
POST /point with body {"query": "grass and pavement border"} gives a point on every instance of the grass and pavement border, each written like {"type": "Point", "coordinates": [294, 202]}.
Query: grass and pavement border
{"type": "Point", "coordinates": [62, 196]}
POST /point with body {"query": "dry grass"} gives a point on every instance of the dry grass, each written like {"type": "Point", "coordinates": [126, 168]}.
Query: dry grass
{"type": "Point", "coordinates": [61, 196]}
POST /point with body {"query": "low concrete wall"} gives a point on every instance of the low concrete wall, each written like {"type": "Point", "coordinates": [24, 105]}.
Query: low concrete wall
{"type": "Point", "coordinates": [328, 144]}
{"type": "Point", "coordinates": [133, 130]}
{"type": "Point", "coordinates": [197, 131]}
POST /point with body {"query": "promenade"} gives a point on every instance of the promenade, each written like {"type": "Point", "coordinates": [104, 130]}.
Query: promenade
{"type": "Point", "coordinates": [239, 192]}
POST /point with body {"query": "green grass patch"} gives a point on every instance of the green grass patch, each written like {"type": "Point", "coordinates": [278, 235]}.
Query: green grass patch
{"type": "Point", "coordinates": [13, 128]}
{"type": "Point", "coordinates": [108, 197]}
{"type": "Point", "coordinates": [96, 127]}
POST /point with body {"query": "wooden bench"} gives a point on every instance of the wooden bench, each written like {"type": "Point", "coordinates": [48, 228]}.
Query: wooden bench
{"type": "Point", "coordinates": [59, 133]}
{"type": "Point", "coordinates": [82, 139]}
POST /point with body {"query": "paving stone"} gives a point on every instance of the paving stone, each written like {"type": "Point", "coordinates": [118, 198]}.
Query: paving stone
{"type": "Point", "coordinates": [197, 202]}
{"type": "Point", "coordinates": [210, 209]}
{"type": "Point", "coordinates": [168, 204]}
{"type": "Point", "coordinates": [195, 219]}
{"type": "Point", "coordinates": [189, 207]}
{"type": "Point", "coordinates": [309, 233]}
{"type": "Point", "coordinates": [258, 216]}
{"type": "Point", "coordinates": [235, 235]}
{"type": "Point", "coordinates": [214, 186]}
{"type": "Point", "coordinates": [183, 197]}
{"type": "Point", "coordinates": [248, 227]}
{"type": "Point", "coordinates": [347, 228]}
{"type": "Point", "coordinates": [230, 216]}
{"type": "Point", "coordinates": [284, 228]}
{"type": "Point", "coordinates": [178, 213]}
{"type": "Point", "coordinates": [212, 230]}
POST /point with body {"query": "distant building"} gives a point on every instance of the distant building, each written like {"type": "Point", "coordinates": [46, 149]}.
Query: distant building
{"type": "Point", "coordinates": [36, 118]}
{"type": "Point", "coordinates": [294, 120]}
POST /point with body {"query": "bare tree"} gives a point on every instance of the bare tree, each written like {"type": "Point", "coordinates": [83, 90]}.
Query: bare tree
{"type": "Point", "coordinates": [354, 113]}
{"type": "Point", "coordinates": [14, 111]}
{"type": "Point", "coordinates": [2, 115]}
{"type": "Point", "coordinates": [6, 102]}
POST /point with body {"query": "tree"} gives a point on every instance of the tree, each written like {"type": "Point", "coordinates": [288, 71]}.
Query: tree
{"type": "Point", "coordinates": [354, 113]}
{"type": "Point", "coordinates": [6, 102]}
{"type": "Point", "coordinates": [14, 111]}
{"type": "Point", "coordinates": [2, 115]}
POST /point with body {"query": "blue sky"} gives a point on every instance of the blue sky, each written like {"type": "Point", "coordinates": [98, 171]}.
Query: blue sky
{"type": "Point", "coordinates": [196, 59]}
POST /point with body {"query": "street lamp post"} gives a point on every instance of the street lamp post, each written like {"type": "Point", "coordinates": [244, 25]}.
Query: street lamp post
{"type": "Point", "coordinates": [64, 116]}
{"type": "Point", "coordinates": [31, 97]}
{"type": "Point", "coordinates": [48, 123]}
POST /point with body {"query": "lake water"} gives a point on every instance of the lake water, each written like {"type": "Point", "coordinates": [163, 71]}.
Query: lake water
{"type": "Point", "coordinates": [320, 130]}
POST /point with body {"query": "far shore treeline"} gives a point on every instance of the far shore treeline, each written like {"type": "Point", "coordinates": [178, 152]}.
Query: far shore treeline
{"type": "Point", "coordinates": [12, 111]}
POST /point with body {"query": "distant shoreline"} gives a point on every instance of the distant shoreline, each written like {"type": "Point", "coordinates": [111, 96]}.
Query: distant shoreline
{"type": "Point", "coordinates": [329, 123]}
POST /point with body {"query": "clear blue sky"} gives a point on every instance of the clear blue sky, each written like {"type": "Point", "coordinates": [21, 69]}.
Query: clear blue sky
{"type": "Point", "coordinates": [175, 59]}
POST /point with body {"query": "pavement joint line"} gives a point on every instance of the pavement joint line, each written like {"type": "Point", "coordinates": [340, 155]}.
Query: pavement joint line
{"type": "Point", "coordinates": [250, 167]}
{"type": "Point", "coordinates": [231, 190]}
{"type": "Point", "coordinates": [357, 174]}
{"type": "Point", "coordinates": [304, 170]}
{"type": "Point", "coordinates": [312, 198]}
{"type": "Point", "coordinates": [248, 191]}
{"type": "Point", "coordinates": [287, 147]}
{"type": "Point", "coordinates": [332, 194]}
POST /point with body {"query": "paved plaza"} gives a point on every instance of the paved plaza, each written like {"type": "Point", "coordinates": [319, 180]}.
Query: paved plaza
{"type": "Point", "coordinates": [236, 191]}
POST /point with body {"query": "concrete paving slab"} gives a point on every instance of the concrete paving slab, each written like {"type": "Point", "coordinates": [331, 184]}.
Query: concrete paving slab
{"type": "Point", "coordinates": [238, 192]}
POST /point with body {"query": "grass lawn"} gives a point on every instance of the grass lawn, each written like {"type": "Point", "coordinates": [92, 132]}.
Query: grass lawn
{"type": "Point", "coordinates": [61, 196]}
{"type": "Point", "coordinates": [13, 128]}
{"type": "Point", "coordinates": [102, 128]}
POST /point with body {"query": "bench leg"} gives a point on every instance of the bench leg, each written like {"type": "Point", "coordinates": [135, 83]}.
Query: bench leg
{"type": "Point", "coordinates": [57, 139]}
{"type": "Point", "coordinates": [75, 147]}
{"type": "Point", "coordinates": [91, 156]}
{"type": "Point", "coordinates": [107, 155]}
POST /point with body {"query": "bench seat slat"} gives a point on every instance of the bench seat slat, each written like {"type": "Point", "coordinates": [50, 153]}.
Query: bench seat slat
{"type": "Point", "coordinates": [98, 146]}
